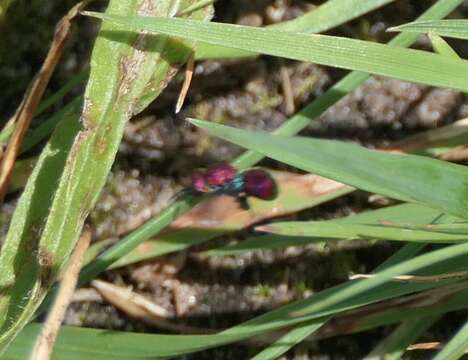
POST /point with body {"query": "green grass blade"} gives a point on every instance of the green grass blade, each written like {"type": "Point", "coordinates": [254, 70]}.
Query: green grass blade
{"type": "Point", "coordinates": [6, 131]}
{"type": "Point", "coordinates": [82, 343]}
{"type": "Point", "coordinates": [287, 341]}
{"type": "Point", "coordinates": [394, 345]}
{"type": "Point", "coordinates": [21, 277]}
{"type": "Point", "coordinates": [456, 347]}
{"type": "Point", "coordinates": [336, 230]}
{"type": "Point", "coordinates": [170, 345]}
{"type": "Point", "coordinates": [41, 132]}
{"type": "Point", "coordinates": [410, 250]}
{"type": "Point", "coordinates": [405, 267]}
{"type": "Point", "coordinates": [64, 90]}
{"type": "Point", "coordinates": [441, 46]}
{"type": "Point", "coordinates": [407, 251]}
{"type": "Point", "coordinates": [324, 17]}
{"type": "Point", "coordinates": [131, 241]}
{"type": "Point", "coordinates": [451, 28]}
{"type": "Point", "coordinates": [21, 173]}
{"type": "Point", "coordinates": [120, 73]}
{"type": "Point", "coordinates": [329, 15]}
{"type": "Point", "coordinates": [404, 213]}
{"type": "Point", "coordinates": [353, 294]}
{"type": "Point", "coordinates": [264, 242]}
{"type": "Point", "coordinates": [46, 104]}
{"type": "Point", "coordinates": [426, 304]}
{"type": "Point", "coordinates": [405, 64]}
{"type": "Point", "coordinates": [195, 6]}
{"type": "Point", "coordinates": [406, 177]}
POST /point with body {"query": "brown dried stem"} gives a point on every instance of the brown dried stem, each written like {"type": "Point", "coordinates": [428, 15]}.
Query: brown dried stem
{"type": "Point", "coordinates": [416, 278]}
{"type": "Point", "coordinates": [187, 81]}
{"type": "Point", "coordinates": [33, 95]}
{"type": "Point", "coordinates": [45, 342]}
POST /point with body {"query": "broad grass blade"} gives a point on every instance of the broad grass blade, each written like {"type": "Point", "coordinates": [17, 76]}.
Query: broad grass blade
{"type": "Point", "coordinates": [405, 64]}
{"type": "Point", "coordinates": [410, 178]}
{"type": "Point", "coordinates": [74, 166]}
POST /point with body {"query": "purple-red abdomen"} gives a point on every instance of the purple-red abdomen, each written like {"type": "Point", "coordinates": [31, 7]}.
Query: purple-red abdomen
{"type": "Point", "coordinates": [220, 175]}
{"type": "Point", "coordinates": [260, 184]}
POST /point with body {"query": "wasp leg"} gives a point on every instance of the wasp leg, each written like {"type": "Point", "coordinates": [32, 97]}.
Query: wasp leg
{"type": "Point", "coordinates": [242, 201]}
{"type": "Point", "coordinates": [180, 194]}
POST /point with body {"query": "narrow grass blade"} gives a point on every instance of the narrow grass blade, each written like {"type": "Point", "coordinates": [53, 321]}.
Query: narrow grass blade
{"type": "Point", "coordinates": [406, 177]}
{"type": "Point", "coordinates": [441, 46]}
{"type": "Point", "coordinates": [405, 64]}
{"type": "Point", "coordinates": [405, 267]}
{"type": "Point", "coordinates": [44, 105]}
{"type": "Point", "coordinates": [322, 18]}
{"type": "Point", "coordinates": [451, 28]}
{"type": "Point", "coordinates": [64, 90]}
{"type": "Point", "coordinates": [435, 142]}
{"type": "Point", "coordinates": [195, 6]}
{"type": "Point", "coordinates": [22, 277]}
{"type": "Point", "coordinates": [264, 242]}
{"type": "Point", "coordinates": [21, 173]}
{"type": "Point", "coordinates": [394, 345]}
{"type": "Point", "coordinates": [456, 347]}
{"type": "Point", "coordinates": [404, 213]}
{"type": "Point", "coordinates": [82, 343]}
{"type": "Point", "coordinates": [330, 14]}
{"type": "Point", "coordinates": [337, 230]}
{"type": "Point", "coordinates": [428, 304]}
{"type": "Point", "coordinates": [40, 133]}
{"type": "Point", "coordinates": [131, 241]}
{"type": "Point", "coordinates": [287, 341]}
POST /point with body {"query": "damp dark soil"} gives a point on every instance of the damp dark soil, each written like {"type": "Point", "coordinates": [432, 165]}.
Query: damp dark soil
{"type": "Point", "coordinates": [159, 151]}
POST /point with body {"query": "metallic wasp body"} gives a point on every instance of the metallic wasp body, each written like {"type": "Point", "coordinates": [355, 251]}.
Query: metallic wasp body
{"type": "Point", "coordinates": [225, 179]}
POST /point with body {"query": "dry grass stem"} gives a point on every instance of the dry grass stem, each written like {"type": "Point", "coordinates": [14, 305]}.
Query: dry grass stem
{"type": "Point", "coordinates": [287, 90]}
{"type": "Point", "coordinates": [45, 342]}
{"type": "Point", "coordinates": [33, 95]}
{"type": "Point", "coordinates": [416, 278]}
{"type": "Point", "coordinates": [187, 81]}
